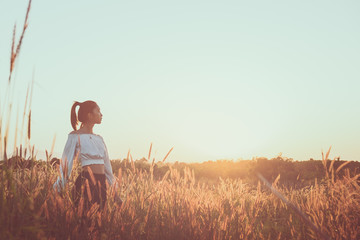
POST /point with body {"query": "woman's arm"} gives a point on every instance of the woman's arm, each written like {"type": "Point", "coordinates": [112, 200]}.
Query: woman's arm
{"type": "Point", "coordinates": [108, 169]}
{"type": "Point", "coordinates": [67, 161]}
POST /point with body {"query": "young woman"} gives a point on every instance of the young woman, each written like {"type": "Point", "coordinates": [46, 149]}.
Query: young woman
{"type": "Point", "coordinates": [91, 151]}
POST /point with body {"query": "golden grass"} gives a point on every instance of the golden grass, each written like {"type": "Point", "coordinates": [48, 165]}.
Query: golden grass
{"type": "Point", "coordinates": [175, 207]}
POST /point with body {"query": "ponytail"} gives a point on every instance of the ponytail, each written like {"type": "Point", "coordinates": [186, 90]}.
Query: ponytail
{"type": "Point", "coordinates": [73, 117]}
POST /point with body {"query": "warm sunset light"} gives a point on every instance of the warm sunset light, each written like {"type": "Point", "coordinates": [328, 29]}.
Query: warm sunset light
{"type": "Point", "coordinates": [179, 119]}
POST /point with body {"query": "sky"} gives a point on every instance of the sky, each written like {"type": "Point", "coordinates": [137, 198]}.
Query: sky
{"type": "Point", "coordinates": [213, 79]}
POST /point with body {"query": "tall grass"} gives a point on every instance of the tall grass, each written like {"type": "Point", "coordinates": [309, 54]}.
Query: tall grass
{"type": "Point", "coordinates": [174, 207]}
{"type": "Point", "coordinates": [6, 104]}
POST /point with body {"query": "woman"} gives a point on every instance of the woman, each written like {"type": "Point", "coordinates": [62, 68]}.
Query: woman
{"type": "Point", "coordinates": [91, 151]}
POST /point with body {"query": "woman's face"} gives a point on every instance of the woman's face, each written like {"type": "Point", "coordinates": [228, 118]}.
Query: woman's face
{"type": "Point", "coordinates": [95, 116]}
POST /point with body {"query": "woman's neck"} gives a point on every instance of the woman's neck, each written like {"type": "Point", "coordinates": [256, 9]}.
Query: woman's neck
{"type": "Point", "coordinates": [87, 128]}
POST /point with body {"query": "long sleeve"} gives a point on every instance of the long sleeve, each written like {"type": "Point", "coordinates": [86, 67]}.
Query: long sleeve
{"type": "Point", "coordinates": [67, 161]}
{"type": "Point", "coordinates": [108, 169]}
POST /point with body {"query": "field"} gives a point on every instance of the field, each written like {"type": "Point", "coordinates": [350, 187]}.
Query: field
{"type": "Point", "coordinates": [176, 207]}
{"type": "Point", "coordinates": [174, 201]}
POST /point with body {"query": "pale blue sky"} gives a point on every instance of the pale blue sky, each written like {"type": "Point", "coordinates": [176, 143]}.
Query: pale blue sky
{"type": "Point", "coordinates": [213, 79]}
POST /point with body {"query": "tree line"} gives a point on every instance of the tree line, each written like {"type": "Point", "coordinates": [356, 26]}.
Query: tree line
{"type": "Point", "coordinates": [290, 173]}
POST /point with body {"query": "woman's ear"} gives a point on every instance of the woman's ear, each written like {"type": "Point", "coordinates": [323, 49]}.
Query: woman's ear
{"type": "Point", "coordinates": [89, 116]}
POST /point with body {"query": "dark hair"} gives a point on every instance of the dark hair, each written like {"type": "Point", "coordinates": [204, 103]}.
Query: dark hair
{"type": "Point", "coordinates": [82, 116]}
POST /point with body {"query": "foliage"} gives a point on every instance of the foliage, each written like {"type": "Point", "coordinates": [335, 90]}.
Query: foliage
{"type": "Point", "coordinates": [295, 174]}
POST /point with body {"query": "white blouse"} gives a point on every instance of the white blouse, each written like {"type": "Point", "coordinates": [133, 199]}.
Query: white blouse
{"type": "Point", "coordinates": [88, 149]}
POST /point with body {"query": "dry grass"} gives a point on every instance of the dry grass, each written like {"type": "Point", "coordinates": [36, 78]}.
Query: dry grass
{"type": "Point", "coordinates": [174, 208]}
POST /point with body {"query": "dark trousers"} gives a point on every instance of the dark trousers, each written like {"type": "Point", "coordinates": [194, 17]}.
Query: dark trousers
{"type": "Point", "coordinates": [91, 190]}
